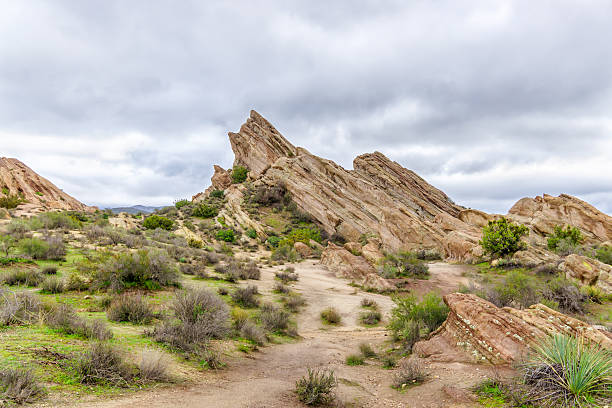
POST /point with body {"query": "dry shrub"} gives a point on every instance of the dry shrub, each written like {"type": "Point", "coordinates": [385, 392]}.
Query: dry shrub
{"type": "Point", "coordinates": [274, 318]}
{"type": "Point", "coordinates": [53, 284]}
{"type": "Point", "coordinates": [317, 387]}
{"type": "Point", "coordinates": [370, 318]}
{"type": "Point", "coordinates": [367, 302]}
{"type": "Point", "coordinates": [19, 386]}
{"type": "Point", "coordinates": [153, 366]}
{"type": "Point", "coordinates": [18, 308]}
{"type": "Point", "coordinates": [130, 308]}
{"type": "Point", "coordinates": [49, 270]}
{"type": "Point", "coordinates": [246, 296]}
{"type": "Point", "coordinates": [63, 318]}
{"type": "Point", "coordinates": [280, 287]}
{"type": "Point", "coordinates": [288, 275]}
{"type": "Point", "coordinates": [25, 277]}
{"type": "Point", "coordinates": [103, 364]}
{"type": "Point", "coordinates": [252, 332]}
{"type": "Point", "coordinates": [293, 302]}
{"type": "Point", "coordinates": [366, 350]}
{"type": "Point", "coordinates": [331, 316]}
{"type": "Point", "coordinates": [251, 271]}
{"type": "Point", "coordinates": [410, 372]}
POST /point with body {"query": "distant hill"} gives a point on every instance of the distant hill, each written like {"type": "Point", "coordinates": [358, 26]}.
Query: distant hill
{"type": "Point", "coordinates": [135, 209]}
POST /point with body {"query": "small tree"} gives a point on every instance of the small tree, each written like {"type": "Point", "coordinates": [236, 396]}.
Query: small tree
{"type": "Point", "coordinates": [501, 238]}
{"type": "Point", "coordinates": [6, 244]}
{"type": "Point", "coordinates": [571, 235]}
{"type": "Point", "coordinates": [239, 174]}
{"type": "Point", "coordinates": [155, 221]}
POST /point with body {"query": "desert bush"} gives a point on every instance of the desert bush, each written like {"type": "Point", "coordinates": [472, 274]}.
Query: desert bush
{"type": "Point", "coordinates": [7, 243]}
{"type": "Point", "coordinates": [431, 312]}
{"type": "Point", "coordinates": [546, 269]}
{"type": "Point", "coordinates": [331, 316]}
{"type": "Point", "coordinates": [370, 318]}
{"type": "Point", "coordinates": [595, 294]}
{"type": "Point", "coordinates": [200, 316]}
{"type": "Point", "coordinates": [280, 287]}
{"type": "Point", "coordinates": [354, 360]}
{"type": "Point", "coordinates": [252, 332]}
{"type": "Point", "coordinates": [565, 294]}
{"type": "Point", "coordinates": [402, 265]}
{"type": "Point", "coordinates": [239, 174]}
{"type": "Point", "coordinates": [246, 296]}
{"type": "Point", "coordinates": [288, 275]}
{"type": "Point", "coordinates": [53, 284]}
{"type": "Point", "coordinates": [239, 317]}
{"type": "Point", "coordinates": [428, 255]}
{"type": "Point", "coordinates": [274, 318]}
{"type": "Point", "coordinates": [57, 248]}
{"type": "Point", "coordinates": [18, 307]}
{"type": "Point", "coordinates": [49, 270]}
{"type": "Point", "coordinates": [204, 210]}
{"type": "Point", "coordinates": [284, 253]}
{"type": "Point", "coordinates": [181, 203]}
{"type": "Point", "coordinates": [19, 386]}
{"type": "Point", "coordinates": [251, 271]}
{"type": "Point", "coordinates": [389, 362]}
{"type": "Point", "coordinates": [568, 371]}
{"type": "Point", "coordinates": [146, 268]}
{"type": "Point", "coordinates": [604, 254]}
{"type": "Point", "coordinates": [63, 318]}
{"type": "Point", "coordinates": [225, 235]}
{"type": "Point", "coordinates": [564, 240]}
{"type": "Point", "coordinates": [34, 248]}
{"type": "Point", "coordinates": [130, 308]}
{"type": "Point", "coordinates": [153, 366]}
{"type": "Point", "coordinates": [217, 194]}
{"type": "Point", "coordinates": [517, 289]}
{"type": "Point", "coordinates": [58, 220]}
{"type": "Point", "coordinates": [26, 277]}
{"type": "Point", "coordinates": [410, 372]}
{"type": "Point", "coordinates": [77, 282]}
{"type": "Point", "coordinates": [317, 387]}
{"type": "Point", "coordinates": [10, 201]}
{"type": "Point", "coordinates": [501, 238]}
{"type": "Point", "coordinates": [293, 302]}
{"type": "Point", "coordinates": [303, 235]}
{"type": "Point", "coordinates": [103, 364]}
{"type": "Point", "coordinates": [223, 290]}
{"type": "Point", "coordinates": [366, 350]}
{"type": "Point", "coordinates": [157, 221]}
{"type": "Point", "coordinates": [369, 303]}
{"type": "Point", "coordinates": [18, 227]}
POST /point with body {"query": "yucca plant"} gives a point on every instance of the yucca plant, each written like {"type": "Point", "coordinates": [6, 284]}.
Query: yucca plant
{"type": "Point", "coordinates": [569, 372]}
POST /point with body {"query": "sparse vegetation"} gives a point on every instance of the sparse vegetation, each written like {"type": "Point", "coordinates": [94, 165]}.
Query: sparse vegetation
{"type": "Point", "coordinates": [245, 297]}
{"type": "Point", "coordinates": [366, 350]}
{"type": "Point", "coordinates": [330, 316]}
{"type": "Point", "coordinates": [53, 284]}
{"type": "Point", "coordinates": [370, 317]}
{"type": "Point", "coordinates": [130, 308]}
{"type": "Point", "coordinates": [354, 360]}
{"type": "Point", "coordinates": [403, 265]}
{"type": "Point", "coordinates": [63, 318]}
{"type": "Point", "coordinates": [317, 387]}
{"type": "Point", "coordinates": [565, 240]}
{"type": "Point", "coordinates": [409, 372]}
{"type": "Point", "coordinates": [19, 386]}
{"type": "Point", "coordinates": [103, 364]}
{"type": "Point", "coordinates": [274, 318]}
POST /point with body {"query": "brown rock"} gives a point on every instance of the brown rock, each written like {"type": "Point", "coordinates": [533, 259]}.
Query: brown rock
{"type": "Point", "coordinates": [315, 245]}
{"type": "Point", "coordinates": [478, 331]}
{"type": "Point", "coordinates": [353, 247]}
{"type": "Point", "coordinates": [371, 251]}
{"type": "Point", "coordinates": [587, 271]}
{"type": "Point", "coordinates": [344, 264]}
{"type": "Point", "coordinates": [377, 283]}
{"type": "Point", "coordinates": [302, 249]}
{"type": "Point", "coordinates": [476, 218]}
{"type": "Point", "coordinates": [38, 191]}
{"type": "Point", "coordinates": [221, 179]}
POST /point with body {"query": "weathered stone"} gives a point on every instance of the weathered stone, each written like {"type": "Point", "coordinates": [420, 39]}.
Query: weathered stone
{"type": "Point", "coordinates": [38, 191]}
{"type": "Point", "coordinates": [587, 271]}
{"type": "Point", "coordinates": [353, 247]}
{"type": "Point", "coordinates": [478, 331]}
{"type": "Point", "coordinates": [302, 249]}
{"type": "Point", "coordinates": [376, 282]}
{"type": "Point", "coordinates": [371, 251]}
{"type": "Point", "coordinates": [344, 264]}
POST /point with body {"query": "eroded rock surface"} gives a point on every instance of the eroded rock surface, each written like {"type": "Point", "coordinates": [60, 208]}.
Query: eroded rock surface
{"type": "Point", "coordinates": [587, 271]}
{"type": "Point", "coordinates": [40, 193]}
{"type": "Point", "coordinates": [478, 331]}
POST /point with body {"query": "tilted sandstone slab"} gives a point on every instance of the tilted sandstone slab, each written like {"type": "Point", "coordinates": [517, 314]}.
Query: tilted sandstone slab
{"type": "Point", "coordinates": [478, 331]}
{"type": "Point", "coordinates": [344, 264]}
{"type": "Point", "coordinates": [587, 271]}
{"type": "Point", "coordinates": [18, 178]}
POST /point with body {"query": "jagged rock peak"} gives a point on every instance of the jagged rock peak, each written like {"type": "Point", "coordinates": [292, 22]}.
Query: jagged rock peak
{"type": "Point", "coordinates": [18, 178]}
{"type": "Point", "coordinates": [258, 145]}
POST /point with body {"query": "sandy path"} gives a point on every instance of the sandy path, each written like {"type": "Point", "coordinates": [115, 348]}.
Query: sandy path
{"type": "Point", "coordinates": [267, 378]}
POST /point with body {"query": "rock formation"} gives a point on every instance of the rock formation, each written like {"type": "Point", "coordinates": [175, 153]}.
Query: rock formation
{"type": "Point", "coordinates": [478, 331]}
{"type": "Point", "coordinates": [40, 193]}
{"type": "Point", "coordinates": [587, 271]}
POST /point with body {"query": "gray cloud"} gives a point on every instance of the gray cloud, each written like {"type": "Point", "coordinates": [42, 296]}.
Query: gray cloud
{"type": "Point", "coordinates": [491, 101]}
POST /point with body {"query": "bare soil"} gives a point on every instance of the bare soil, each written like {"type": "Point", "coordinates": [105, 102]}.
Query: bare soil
{"type": "Point", "coordinates": [267, 378]}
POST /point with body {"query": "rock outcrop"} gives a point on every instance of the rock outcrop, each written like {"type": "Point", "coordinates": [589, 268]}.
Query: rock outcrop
{"type": "Point", "coordinates": [587, 271]}
{"type": "Point", "coordinates": [478, 331]}
{"type": "Point", "coordinates": [40, 193]}
{"type": "Point", "coordinates": [344, 264]}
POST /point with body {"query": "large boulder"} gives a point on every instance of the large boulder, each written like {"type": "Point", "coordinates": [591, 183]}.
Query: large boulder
{"type": "Point", "coordinates": [345, 264]}
{"type": "Point", "coordinates": [479, 331]}
{"type": "Point", "coordinates": [302, 249]}
{"type": "Point", "coordinates": [587, 271]}
{"type": "Point", "coordinates": [371, 251]}
{"type": "Point", "coordinates": [377, 283]}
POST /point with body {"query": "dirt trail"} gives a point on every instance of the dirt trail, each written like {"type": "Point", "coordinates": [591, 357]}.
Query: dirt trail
{"type": "Point", "coordinates": [267, 378]}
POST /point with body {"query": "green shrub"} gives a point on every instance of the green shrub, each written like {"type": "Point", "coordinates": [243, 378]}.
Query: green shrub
{"type": "Point", "coordinates": [571, 235]}
{"type": "Point", "coordinates": [226, 235]}
{"type": "Point", "coordinates": [303, 235]}
{"type": "Point", "coordinates": [317, 387]}
{"type": "Point", "coordinates": [370, 317]}
{"type": "Point", "coordinates": [239, 174]}
{"type": "Point", "coordinates": [285, 253]}
{"type": "Point", "coordinates": [56, 220]}
{"type": "Point", "coordinates": [34, 248]}
{"type": "Point", "coordinates": [7, 243]}
{"type": "Point", "coordinates": [49, 270]}
{"type": "Point", "coordinates": [517, 289]}
{"type": "Point", "coordinates": [431, 312]}
{"type": "Point", "coordinates": [156, 221]}
{"type": "Point", "coordinates": [402, 265]}
{"type": "Point", "coordinates": [146, 268]}
{"type": "Point", "coordinates": [331, 316]}
{"type": "Point", "coordinates": [64, 318]}
{"type": "Point", "coordinates": [245, 297]}
{"type": "Point", "coordinates": [354, 360]}
{"type": "Point", "coordinates": [18, 307]}
{"type": "Point", "coordinates": [604, 254]}
{"type": "Point", "coordinates": [501, 238]}
{"type": "Point", "coordinates": [19, 386]}
{"type": "Point", "coordinates": [130, 308]}
{"type": "Point", "coordinates": [181, 203]}
{"type": "Point", "coordinates": [10, 201]}
{"type": "Point", "coordinates": [204, 210]}
{"type": "Point", "coordinates": [217, 194]}
{"type": "Point", "coordinates": [273, 241]}
{"type": "Point", "coordinates": [251, 233]}
{"type": "Point", "coordinates": [366, 350]}
{"type": "Point", "coordinates": [569, 371]}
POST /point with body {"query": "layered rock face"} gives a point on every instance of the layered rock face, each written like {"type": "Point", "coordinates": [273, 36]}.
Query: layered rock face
{"type": "Point", "coordinates": [478, 331]}
{"type": "Point", "coordinates": [18, 178]}
{"type": "Point", "coordinates": [587, 271]}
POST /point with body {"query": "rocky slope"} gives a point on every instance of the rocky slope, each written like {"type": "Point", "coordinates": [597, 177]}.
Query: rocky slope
{"type": "Point", "coordinates": [40, 193]}
{"type": "Point", "coordinates": [380, 198]}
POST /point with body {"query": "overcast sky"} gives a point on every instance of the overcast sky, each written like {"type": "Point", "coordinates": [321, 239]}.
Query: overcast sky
{"type": "Point", "coordinates": [130, 102]}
